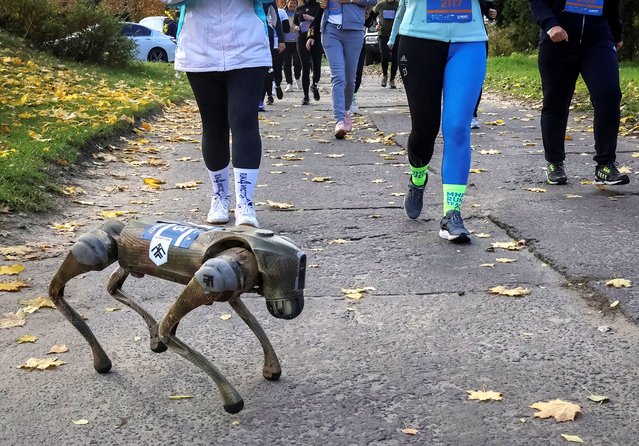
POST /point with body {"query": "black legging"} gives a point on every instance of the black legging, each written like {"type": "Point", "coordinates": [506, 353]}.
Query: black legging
{"type": "Point", "coordinates": [291, 60]}
{"type": "Point", "coordinates": [387, 55]}
{"type": "Point", "coordinates": [560, 65]}
{"type": "Point", "coordinates": [360, 68]}
{"type": "Point", "coordinates": [310, 59]}
{"type": "Point", "coordinates": [226, 100]}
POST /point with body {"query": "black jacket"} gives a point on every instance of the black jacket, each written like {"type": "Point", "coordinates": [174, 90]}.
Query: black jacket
{"type": "Point", "coordinates": [580, 27]}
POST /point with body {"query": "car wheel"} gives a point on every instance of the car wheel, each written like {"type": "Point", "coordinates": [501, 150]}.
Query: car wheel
{"type": "Point", "coordinates": [157, 55]}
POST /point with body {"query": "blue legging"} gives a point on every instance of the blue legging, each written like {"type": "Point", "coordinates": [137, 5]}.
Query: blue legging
{"type": "Point", "coordinates": [430, 69]}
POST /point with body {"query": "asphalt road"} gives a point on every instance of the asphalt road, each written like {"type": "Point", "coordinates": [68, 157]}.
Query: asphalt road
{"type": "Point", "coordinates": [355, 372]}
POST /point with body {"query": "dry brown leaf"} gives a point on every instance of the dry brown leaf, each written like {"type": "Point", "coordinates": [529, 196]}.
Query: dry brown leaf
{"type": "Point", "coordinates": [539, 190]}
{"type": "Point", "coordinates": [572, 438]}
{"type": "Point", "coordinates": [478, 170]}
{"type": "Point", "coordinates": [505, 260]}
{"type": "Point", "coordinates": [490, 152]}
{"type": "Point", "coordinates": [558, 409]}
{"type": "Point", "coordinates": [484, 395]}
{"type": "Point", "coordinates": [26, 338]}
{"type": "Point", "coordinates": [15, 285]}
{"type": "Point", "coordinates": [320, 179]}
{"type": "Point", "coordinates": [58, 348]}
{"type": "Point", "coordinates": [112, 309]}
{"type": "Point", "coordinates": [497, 122]}
{"type": "Point", "coordinates": [11, 270]}
{"type": "Point", "coordinates": [187, 185]}
{"type": "Point", "coordinates": [378, 181]}
{"type": "Point", "coordinates": [41, 364]}
{"type": "Point", "coordinates": [487, 265]}
{"type": "Point", "coordinates": [334, 155]}
{"type": "Point", "coordinates": [509, 246]}
{"type": "Point", "coordinates": [10, 320]}
{"type": "Point", "coordinates": [513, 292]}
{"type": "Point", "coordinates": [339, 241]}
{"type": "Point", "coordinates": [226, 317]}
{"type": "Point", "coordinates": [619, 283]}
{"type": "Point", "coordinates": [572, 196]}
{"type": "Point", "coordinates": [180, 397]}
{"type": "Point", "coordinates": [483, 235]}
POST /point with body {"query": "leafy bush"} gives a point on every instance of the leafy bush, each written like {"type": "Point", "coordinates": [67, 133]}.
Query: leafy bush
{"type": "Point", "coordinates": [82, 32]}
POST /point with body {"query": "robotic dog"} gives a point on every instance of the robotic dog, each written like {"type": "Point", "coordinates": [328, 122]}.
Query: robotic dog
{"type": "Point", "coordinates": [216, 264]}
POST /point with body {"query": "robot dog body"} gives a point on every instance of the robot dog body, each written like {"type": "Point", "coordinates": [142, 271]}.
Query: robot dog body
{"type": "Point", "coordinates": [216, 264]}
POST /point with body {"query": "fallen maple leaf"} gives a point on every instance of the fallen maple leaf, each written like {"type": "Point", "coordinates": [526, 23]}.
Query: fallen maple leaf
{"type": "Point", "coordinates": [31, 305]}
{"type": "Point", "coordinates": [153, 183]}
{"type": "Point", "coordinates": [479, 170]}
{"type": "Point", "coordinates": [619, 283]}
{"type": "Point", "coordinates": [572, 438]}
{"type": "Point", "coordinates": [505, 260]}
{"type": "Point", "coordinates": [410, 431]}
{"type": "Point", "coordinates": [339, 241]}
{"type": "Point", "coordinates": [320, 179]}
{"type": "Point", "coordinates": [66, 227]}
{"type": "Point", "coordinates": [483, 235]}
{"type": "Point", "coordinates": [558, 409]}
{"type": "Point", "coordinates": [226, 317]}
{"type": "Point", "coordinates": [513, 292]}
{"type": "Point", "coordinates": [187, 185]}
{"type": "Point", "coordinates": [41, 364]}
{"type": "Point", "coordinates": [10, 320]}
{"type": "Point", "coordinates": [279, 206]}
{"type": "Point", "coordinates": [15, 285]}
{"type": "Point", "coordinates": [509, 246]}
{"type": "Point", "coordinates": [496, 122]}
{"type": "Point", "coordinates": [484, 395]}
{"type": "Point", "coordinates": [487, 265]}
{"type": "Point", "coordinates": [11, 270]}
{"type": "Point", "coordinates": [26, 338]}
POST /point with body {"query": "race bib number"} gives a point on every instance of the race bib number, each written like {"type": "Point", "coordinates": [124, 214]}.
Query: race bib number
{"type": "Point", "coordinates": [388, 14]}
{"type": "Point", "coordinates": [449, 11]}
{"type": "Point", "coordinates": [588, 7]}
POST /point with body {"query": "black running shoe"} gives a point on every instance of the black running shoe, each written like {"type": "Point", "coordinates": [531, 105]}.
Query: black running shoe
{"type": "Point", "coordinates": [610, 175]}
{"type": "Point", "coordinates": [414, 200]}
{"type": "Point", "coordinates": [278, 92]}
{"type": "Point", "coordinates": [269, 100]}
{"type": "Point", "coordinates": [556, 174]}
{"type": "Point", "coordinates": [306, 101]}
{"type": "Point", "coordinates": [452, 228]}
{"type": "Point", "coordinates": [316, 94]}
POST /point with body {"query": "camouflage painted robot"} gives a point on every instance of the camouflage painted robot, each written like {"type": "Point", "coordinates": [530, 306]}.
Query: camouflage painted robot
{"type": "Point", "coordinates": [216, 264]}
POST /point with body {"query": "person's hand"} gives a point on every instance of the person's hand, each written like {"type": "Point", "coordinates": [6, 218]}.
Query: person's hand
{"type": "Point", "coordinates": [619, 45]}
{"type": "Point", "coordinates": [281, 46]}
{"type": "Point", "coordinates": [323, 4]}
{"type": "Point", "coordinates": [308, 17]}
{"type": "Point", "coordinates": [492, 13]}
{"type": "Point", "coordinates": [378, 27]}
{"type": "Point", "coordinates": [390, 46]}
{"type": "Point", "coordinates": [557, 34]}
{"type": "Point", "coordinates": [310, 43]}
{"type": "Point", "coordinates": [296, 28]}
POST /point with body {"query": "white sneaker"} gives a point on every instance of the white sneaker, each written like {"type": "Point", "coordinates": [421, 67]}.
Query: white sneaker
{"type": "Point", "coordinates": [354, 107]}
{"type": "Point", "coordinates": [474, 123]}
{"type": "Point", "coordinates": [298, 84]}
{"type": "Point", "coordinates": [245, 215]}
{"type": "Point", "coordinates": [289, 87]}
{"type": "Point", "coordinates": [219, 213]}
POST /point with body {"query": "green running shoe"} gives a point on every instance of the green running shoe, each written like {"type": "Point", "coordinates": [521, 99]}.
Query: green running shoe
{"type": "Point", "coordinates": [610, 175]}
{"type": "Point", "coordinates": [556, 174]}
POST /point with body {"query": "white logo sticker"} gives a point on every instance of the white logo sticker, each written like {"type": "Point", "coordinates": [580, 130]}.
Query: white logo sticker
{"type": "Point", "coordinates": [159, 249]}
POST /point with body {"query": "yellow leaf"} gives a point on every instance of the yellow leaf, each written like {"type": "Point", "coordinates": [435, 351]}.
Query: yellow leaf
{"type": "Point", "coordinates": [235, 423]}
{"type": "Point", "coordinates": [410, 431]}
{"type": "Point", "coordinates": [180, 397]}
{"type": "Point", "coordinates": [80, 422]}
{"type": "Point", "coordinates": [614, 304]}
{"type": "Point", "coordinates": [619, 283]}
{"type": "Point", "coordinates": [484, 395]}
{"type": "Point", "coordinates": [505, 260]}
{"type": "Point", "coordinates": [539, 190]}
{"type": "Point", "coordinates": [488, 265]}
{"type": "Point", "coordinates": [483, 235]}
{"type": "Point", "coordinates": [558, 409]}
{"type": "Point", "coordinates": [355, 296]}
{"type": "Point", "coordinates": [58, 348]}
{"type": "Point", "coordinates": [598, 398]}
{"type": "Point", "coordinates": [187, 185]}
{"type": "Point", "coordinates": [10, 320]}
{"type": "Point", "coordinates": [572, 438]}
{"type": "Point", "coordinates": [31, 305]}
{"type": "Point", "coordinates": [320, 179]}
{"type": "Point", "coordinates": [66, 227]}
{"type": "Point", "coordinates": [568, 137]}
{"type": "Point", "coordinates": [15, 285]}
{"type": "Point", "coordinates": [279, 206]}
{"type": "Point", "coordinates": [625, 169]}
{"type": "Point", "coordinates": [153, 183]}
{"type": "Point", "coordinates": [225, 317]}
{"type": "Point", "coordinates": [111, 309]}
{"type": "Point", "coordinates": [496, 122]}
{"type": "Point", "coordinates": [41, 364]}
{"type": "Point", "coordinates": [339, 241]}
{"type": "Point", "coordinates": [11, 270]}
{"type": "Point", "coordinates": [114, 214]}
{"type": "Point", "coordinates": [479, 170]}
{"type": "Point", "coordinates": [490, 152]}
{"type": "Point", "coordinates": [513, 292]}
{"type": "Point", "coordinates": [509, 246]}
{"type": "Point", "coordinates": [26, 338]}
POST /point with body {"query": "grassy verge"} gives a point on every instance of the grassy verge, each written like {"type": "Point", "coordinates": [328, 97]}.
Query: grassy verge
{"type": "Point", "coordinates": [52, 109]}
{"type": "Point", "coordinates": [517, 76]}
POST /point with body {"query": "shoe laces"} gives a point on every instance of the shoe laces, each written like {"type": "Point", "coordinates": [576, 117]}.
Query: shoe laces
{"type": "Point", "coordinates": [610, 168]}
{"type": "Point", "coordinates": [220, 204]}
{"type": "Point", "coordinates": [553, 167]}
{"type": "Point", "coordinates": [455, 219]}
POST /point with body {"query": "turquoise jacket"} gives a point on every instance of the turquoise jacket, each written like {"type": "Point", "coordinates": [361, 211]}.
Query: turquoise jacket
{"type": "Point", "coordinates": [410, 20]}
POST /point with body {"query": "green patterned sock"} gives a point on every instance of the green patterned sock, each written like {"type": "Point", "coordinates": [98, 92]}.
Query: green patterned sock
{"type": "Point", "coordinates": [453, 196]}
{"type": "Point", "coordinates": [419, 175]}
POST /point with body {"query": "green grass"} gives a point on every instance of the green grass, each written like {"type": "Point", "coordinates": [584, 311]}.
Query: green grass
{"type": "Point", "coordinates": [517, 76]}
{"type": "Point", "coordinates": [53, 111]}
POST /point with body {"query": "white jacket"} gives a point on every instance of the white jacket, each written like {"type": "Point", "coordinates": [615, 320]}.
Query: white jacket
{"type": "Point", "coordinates": [222, 35]}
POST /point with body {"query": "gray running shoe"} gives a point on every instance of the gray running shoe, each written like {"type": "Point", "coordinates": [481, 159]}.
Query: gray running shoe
{"type": "Point", "coordinates": [556, 174]}
{"type": "Point", "coordinates": [452, 228]}
{"type": "Point", "coordinates": [414, 200]}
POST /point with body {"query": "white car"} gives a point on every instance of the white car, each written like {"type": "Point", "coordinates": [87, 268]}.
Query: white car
{"type": "Point", "coordinates": [151, 45]}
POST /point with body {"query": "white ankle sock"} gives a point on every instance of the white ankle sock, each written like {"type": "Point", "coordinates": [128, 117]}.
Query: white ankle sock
{"type": "Point", "coordinates": [245, 181]}
{"type": "Point", "coordinates": [220, 182]}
